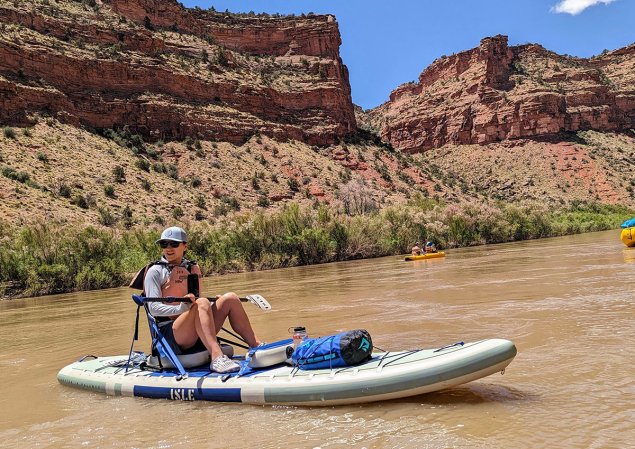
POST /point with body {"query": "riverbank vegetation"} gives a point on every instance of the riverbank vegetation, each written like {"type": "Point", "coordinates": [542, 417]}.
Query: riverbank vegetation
{"type": "Point", "coordinates": [47, 258]}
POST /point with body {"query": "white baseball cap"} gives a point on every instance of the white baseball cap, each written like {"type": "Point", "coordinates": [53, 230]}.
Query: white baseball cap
{"type": "Point", "coordinates": [173, 233]}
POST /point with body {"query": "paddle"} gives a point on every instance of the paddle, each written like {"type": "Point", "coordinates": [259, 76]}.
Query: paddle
{"type": "Point", "coordinates": [258, 300]}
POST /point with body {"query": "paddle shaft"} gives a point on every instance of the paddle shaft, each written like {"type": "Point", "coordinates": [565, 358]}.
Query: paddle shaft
{"type": "Point", "coordinates": [176, 299]}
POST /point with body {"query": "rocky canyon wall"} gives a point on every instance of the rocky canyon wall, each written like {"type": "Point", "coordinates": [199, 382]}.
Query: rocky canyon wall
{"type": "Point", "coordinates": [496, 92]}
{"type": "Point", "coordinates": [168, 72]}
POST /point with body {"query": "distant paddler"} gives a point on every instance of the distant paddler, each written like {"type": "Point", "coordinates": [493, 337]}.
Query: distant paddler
{"type": "Point", "coordinates": [427, 251]}
{"type": "Point", "coordinates": [430, 247]}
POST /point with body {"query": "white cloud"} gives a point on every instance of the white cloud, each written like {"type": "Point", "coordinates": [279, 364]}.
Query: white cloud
{"type": "Point", "coordinates": [575, 7]}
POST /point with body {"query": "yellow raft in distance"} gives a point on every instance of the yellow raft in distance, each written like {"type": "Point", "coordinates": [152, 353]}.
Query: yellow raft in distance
{"type": "Point", "coordinates": [428, 256]}
{"type": "Point", "coordinates": [628, 236]}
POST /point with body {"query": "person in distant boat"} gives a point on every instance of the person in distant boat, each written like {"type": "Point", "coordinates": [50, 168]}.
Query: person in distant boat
{"type": "Point", "coordinates": [183, 324]}
{"type": "Point", "coordinates": [416, 250]}
{"type": "Point", "coordinates": [430, 247]}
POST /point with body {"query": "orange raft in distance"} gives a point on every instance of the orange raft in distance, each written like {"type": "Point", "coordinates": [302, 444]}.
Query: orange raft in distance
{"type": "Point", "coordinates": [425, 256]}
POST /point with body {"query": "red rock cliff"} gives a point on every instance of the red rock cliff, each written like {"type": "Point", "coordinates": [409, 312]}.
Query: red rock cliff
{"type": "Point", "coordinates": [248, 34]}
{"type": "Point", "coordinates": [495, 92]}
{"type": "Point", "coordinates": [171, 72]}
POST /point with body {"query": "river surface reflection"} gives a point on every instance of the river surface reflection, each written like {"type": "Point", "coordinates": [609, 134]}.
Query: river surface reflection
{"type": "Point", "coordinates": [566, 302]}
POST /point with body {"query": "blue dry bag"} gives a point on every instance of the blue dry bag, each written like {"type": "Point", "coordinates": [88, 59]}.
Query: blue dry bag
{"type": "Point", "coordinates": [345, 349]}
{"type": "Point", "coordinates": [628, 223]}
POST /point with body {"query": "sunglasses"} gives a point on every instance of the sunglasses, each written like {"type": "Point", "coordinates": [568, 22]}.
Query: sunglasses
{"type": "Point", "coordinates": [165, 243]}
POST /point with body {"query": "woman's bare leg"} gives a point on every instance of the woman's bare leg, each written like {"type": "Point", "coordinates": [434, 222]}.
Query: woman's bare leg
{"type": "Point", "coordinates": [197, 323]}
{"type": "Point", "coordinates": [229, 305]}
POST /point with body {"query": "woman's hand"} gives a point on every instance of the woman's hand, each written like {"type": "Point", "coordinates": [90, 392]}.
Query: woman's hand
{"type": "Point", "coordinates": [191, 297]}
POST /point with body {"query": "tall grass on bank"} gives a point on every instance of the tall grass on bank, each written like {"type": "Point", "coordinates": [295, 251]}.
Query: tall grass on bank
{"type": "Point", "coordinates": [44, 258]}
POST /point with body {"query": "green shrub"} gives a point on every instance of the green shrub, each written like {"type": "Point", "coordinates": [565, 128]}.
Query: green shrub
{"type": "Point", "coordinates": [126, 217]}
{"type": "Point", "coordinates": [19, 176]}
{"type": "Point", "coordinates": [106, 218]}
{"type": "Point", "coordinates": [47, 279]}
{"type": "Point", "coordinates": [119, 174]}
{"type": "Point", "coordinates": [293, 184]}
{"type": "Point", "coordinates": [147, 23]}
{"type": "Point", "coordinates": [232, 202]}
{"type": "Point", "coordinates": [126, 212]}
{"type": "Point", "coordinates": [64, 191]}
{"type": "Point", "coordinates": [143, 164]}
{"type": "Point", "coordinates": [109, 191]}
{"type": "Point", "coordinates": [44, 259]}
{"type": "Point", "coordinates": [177, 212]}
{"type": "Point", "coordinates": [172, 171]}
{"type": "Point", "coordinates": [9, 132]}
{"type": "Point", "coordinates": [200, 202]}
{"type": "Point", "coordinates": [221, 58]}
{"type": "Point", "coordinates": [263, 201]}
{"type": "Point", "coordinates": [80, 201]}
{"type": "Point", "coordinates": [221, 210]}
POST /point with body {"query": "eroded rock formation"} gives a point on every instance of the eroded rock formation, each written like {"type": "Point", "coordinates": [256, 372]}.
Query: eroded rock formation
{"type": "Point", "coordinates": [496, 92]}
{"type": "Point", "coordinates": [170, 72]}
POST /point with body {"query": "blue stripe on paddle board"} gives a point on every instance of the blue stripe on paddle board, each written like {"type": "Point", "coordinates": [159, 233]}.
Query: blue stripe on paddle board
{"type": "Point", "coordinates": [190, 394]}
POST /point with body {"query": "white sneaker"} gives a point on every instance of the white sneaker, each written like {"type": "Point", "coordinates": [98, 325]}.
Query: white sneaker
{"type": "Point", "coordinates": [223, 365]}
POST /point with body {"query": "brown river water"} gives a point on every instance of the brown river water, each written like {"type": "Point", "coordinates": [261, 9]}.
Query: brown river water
{"type": "Point", "coordinates": [566, 302]}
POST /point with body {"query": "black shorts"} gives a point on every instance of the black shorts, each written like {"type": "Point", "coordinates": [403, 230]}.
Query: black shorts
{"type": "Point", "coordinates": [168, 333]}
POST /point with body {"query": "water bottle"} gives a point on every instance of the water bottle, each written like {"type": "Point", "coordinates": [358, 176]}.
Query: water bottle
{"type": "Point", "coordinates": [299, 335]}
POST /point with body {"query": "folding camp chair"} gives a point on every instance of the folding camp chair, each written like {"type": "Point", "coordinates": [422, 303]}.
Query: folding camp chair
{"type": "Point", "coordinates": [162, 355]}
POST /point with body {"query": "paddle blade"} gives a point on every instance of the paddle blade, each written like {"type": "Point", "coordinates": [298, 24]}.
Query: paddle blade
{"type": "Point", "coordinates": [259, 301]}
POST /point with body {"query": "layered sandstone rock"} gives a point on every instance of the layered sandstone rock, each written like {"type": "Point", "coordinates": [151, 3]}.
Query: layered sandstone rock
{"type": "Point", "coordinates": [314, 36]}
{"type": "Point", "coordinates": [168, 72]}
{"type": "Point", "coordinates": [496, 92]}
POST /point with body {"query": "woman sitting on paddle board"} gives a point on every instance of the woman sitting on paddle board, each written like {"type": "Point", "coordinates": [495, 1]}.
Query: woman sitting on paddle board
{"type": "Point", "coordinates": [416, 250]}
{"type": "Point", "coordinates": [185, 323]}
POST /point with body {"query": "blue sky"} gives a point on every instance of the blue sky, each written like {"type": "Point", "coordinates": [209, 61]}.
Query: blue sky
{"type": "Point", "coordinates": [387, 43]}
